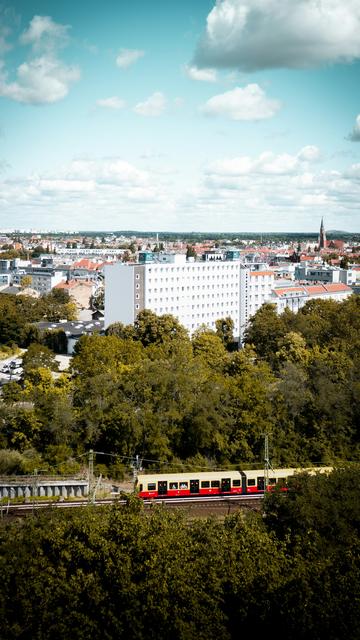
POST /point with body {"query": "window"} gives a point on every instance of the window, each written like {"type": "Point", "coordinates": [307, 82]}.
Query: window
{"type": "Point", "coordinates": [137, 276]}
{"type": "Point", "coordinates": [205, 484]}
{"type": "Point", "coordinates": [251, 482]}
{"type": "Point", "coordinates": [183, 485]}
{"type": "Point", "coordinates": [272, 481]}
{"type": "Point", "coordinates": [151, 486]}
{"type": "Point", "coordinates": [173, 485]}
{"type": "Point", "coordinates": [215, 483]}
{"type": "Point", "coordinates": [236, 483]}
{"type": "Point", "coordinates": [137, 306]}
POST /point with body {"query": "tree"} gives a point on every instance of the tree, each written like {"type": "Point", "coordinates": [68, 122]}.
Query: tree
{"type": "Point", "coordinates": [225, 331]}
{"type": "Point", "coordinates": [152, 329]}
{"type": "Point", "coordinates": [25, 282]}
{"type": "Point", "coordinates": [190, 252]}
{"type": "Point", "coordinates": [210, 348]}
{"type": "Point", "coordinates": [264, 330]}
{"type": "Point", "coordinates": [38, 356]}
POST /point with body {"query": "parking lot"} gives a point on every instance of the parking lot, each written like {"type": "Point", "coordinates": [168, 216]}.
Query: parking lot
{"type": "Point", "coordinates": [10, 369]}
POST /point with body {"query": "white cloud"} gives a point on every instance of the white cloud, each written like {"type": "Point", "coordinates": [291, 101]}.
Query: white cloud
{"type": "Point", "coordinates": [111, 103]}
{"type": "Point", "coordinates": [203, 75]}
{"type": "Point", "coordinates": [264, 192]}
{"type": "Point", "coordinates": [5, 46]}
{"type": "Point", "coordinates": [354, 136]}
{"type": "Point", "coordinates": [44, 33]}
{"type": "Point", "coordinates": [43, 78]}
{"type": "Point", "coordinates": [40, 81]}
{"type": "Point", "coordinates": [267, 163]}
{"type": "Point", "coordinates": [258, 34]}
{"type": "Point", "coordinates": [249, 103]}
{"type": "Point", "coordinates": [309, 153]}
{"type": "Point", "coordinates": [127, 57]}
{"type": "Point", "coordinates": [86, 191]}
{"type": "Point", "coordinates": [152, 106]}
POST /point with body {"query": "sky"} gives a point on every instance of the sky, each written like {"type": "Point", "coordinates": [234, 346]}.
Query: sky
{"type": "Point", "coordinates": [192, 115]}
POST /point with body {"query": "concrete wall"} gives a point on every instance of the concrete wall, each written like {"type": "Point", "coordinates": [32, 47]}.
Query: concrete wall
{"type": "Point", "coordinates": [33, 487]}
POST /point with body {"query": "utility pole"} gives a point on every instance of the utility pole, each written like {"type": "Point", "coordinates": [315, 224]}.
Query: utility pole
{"type": "Point", "coordinates": [91, 473]}
{"type": "Point", "coordinates": [267, 463]}
{"type": "Point", "coordinates": [34, 489]}
{"type": "Point", "coordinates": [136, 465]}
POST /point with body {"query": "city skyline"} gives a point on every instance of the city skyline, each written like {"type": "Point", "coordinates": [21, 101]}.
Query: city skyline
{"type": "Point", "coordinates": [239, 116]}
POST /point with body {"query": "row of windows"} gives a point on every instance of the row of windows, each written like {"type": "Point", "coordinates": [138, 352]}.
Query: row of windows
{"type": "Point", "coordinates": [198, 267]}
{"type": "Point", "coordinates": [215, 484]}
{"type": "Point", "coordinates": [191, 287]}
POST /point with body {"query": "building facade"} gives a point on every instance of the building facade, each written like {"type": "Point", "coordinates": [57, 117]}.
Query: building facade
{"type": "Point", "coordinates": [196, 293]}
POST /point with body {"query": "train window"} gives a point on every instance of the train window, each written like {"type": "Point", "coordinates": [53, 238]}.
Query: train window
{"type": "Point", "coordinates": [140, 487]}
{"type": "Point", "coordinates": [173, 485]}
{"type": "Point", "coordinates": [151, 486]}
{"type": "Point", "coordinates": [282, 482]}
{"type": "Point", "coordinates": [183, 485]}
{"type": "Point", "coordinates": [215, 483]}
{"type": "Point", "coordinates": [205, 484]}
{"type": "Point", "coordinates": [236, 483]}
{"type": "Point", "coordinates": [272, 481]}
{"type": "Point", "coordinates": [251, 482]}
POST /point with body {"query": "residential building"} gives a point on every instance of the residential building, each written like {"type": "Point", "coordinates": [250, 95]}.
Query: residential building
{"type": "Point", "coordinates": [196, 293]}
{"type": "Point", "coordinates": [294, 297]}
{"type": "Point", "coordinates": [324, 273]}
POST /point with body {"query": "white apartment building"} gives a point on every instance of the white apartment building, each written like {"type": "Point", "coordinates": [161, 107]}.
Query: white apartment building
{"type": "Point", "coordinates": [196, 293]}
{"type": "Point", "coordinates": [256, 288]}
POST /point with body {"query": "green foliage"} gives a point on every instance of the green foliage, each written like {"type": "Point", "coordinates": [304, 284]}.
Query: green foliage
{"type": "Point", "coordinates": [209, 346]}
{"type": "Point", "coordinates": [17, 313]}
{"type": "Point", "coordinates": [38, 356]}
{"type": "Point", "coordinates": [225, 331]}
{"type": "Point", "coordinates": [150, 390]}
{"type": "Point", "coordinates": [123, 572]}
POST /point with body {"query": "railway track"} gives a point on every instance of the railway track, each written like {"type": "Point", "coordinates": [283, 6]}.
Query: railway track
{"type": "Point", "coordinates": [215, 503]}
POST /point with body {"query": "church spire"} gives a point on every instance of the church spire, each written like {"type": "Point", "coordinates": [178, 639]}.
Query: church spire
{"type": "Point", "coordinates": [322, 235]}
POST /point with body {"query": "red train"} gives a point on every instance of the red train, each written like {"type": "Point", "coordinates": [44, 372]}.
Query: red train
{"type": "Point", "coordinates": [212, 483]}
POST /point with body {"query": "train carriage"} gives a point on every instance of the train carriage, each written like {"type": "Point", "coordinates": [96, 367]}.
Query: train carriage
{"type": "Point", "coordinates": [212, 483]}
{"type": "Point", "coordinates": [204, 483]}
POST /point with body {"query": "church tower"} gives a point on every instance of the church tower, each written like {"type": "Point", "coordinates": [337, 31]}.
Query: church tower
{"type": "Point", "coordinates": [322, 235]}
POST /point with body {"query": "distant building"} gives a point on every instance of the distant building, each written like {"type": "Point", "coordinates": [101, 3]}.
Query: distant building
{"type": "Point", "coordinates": [324, 273]}
{"type": "Point", "coordinates": [322, 235]}
{"type": "Point", "coordinates": [294, 297]}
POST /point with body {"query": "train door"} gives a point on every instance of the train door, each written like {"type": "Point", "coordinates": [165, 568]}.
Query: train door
{"type": "Point", "coordinates": [261, 483]}
{"type": "Point", "coordinates": [225, 485]}
{"type": "Point", "coordinates": [243, 482]}
{"type": "Point", "coordinates": [194, 486]}
{"type": "Point", "coordinates": [162, 487]}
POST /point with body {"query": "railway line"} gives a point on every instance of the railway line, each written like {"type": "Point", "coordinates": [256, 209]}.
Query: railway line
{"type": "Point", "coordinates": [210, 504]}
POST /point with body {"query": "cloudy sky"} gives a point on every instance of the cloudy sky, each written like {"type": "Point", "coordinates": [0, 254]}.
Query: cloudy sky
{"type": "Point", "coordinates": [191, 115]}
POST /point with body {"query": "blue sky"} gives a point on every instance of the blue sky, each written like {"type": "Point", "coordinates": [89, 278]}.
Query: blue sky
{"type": "Point", "coordinates": [240, 115]}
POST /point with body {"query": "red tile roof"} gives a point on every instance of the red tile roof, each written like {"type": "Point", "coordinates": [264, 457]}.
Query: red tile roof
{"type": "Point", "coordinates": [261, 273]}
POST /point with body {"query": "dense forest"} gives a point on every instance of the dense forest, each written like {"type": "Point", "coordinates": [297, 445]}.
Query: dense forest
{"type": "Point", "coordinates": [121, 572]}
{"type": "Point", "coordinates": [150, 390]}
